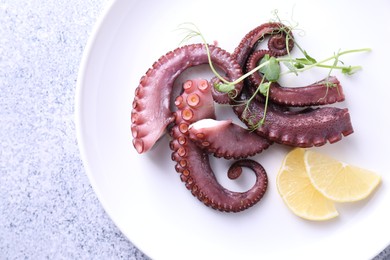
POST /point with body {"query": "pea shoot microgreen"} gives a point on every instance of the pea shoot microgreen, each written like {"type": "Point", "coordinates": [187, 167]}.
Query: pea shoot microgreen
{"type": "Point", "coordinates": [269, 66]}
{"type": "Point", "coordinates": [192, 31]}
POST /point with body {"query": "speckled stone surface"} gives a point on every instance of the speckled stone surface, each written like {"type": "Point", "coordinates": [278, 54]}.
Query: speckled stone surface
{"type": "Point", "coordinates": [48, 209]}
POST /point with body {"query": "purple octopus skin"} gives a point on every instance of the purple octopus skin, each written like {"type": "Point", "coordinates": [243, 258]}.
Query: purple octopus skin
{"type": "Point", "coordinates": [235, 170]}
{"type": "Point", "coordinates": [226, 139]}
{"type": "Point", "coordinates": [276, 43]}
{"type": "Point", "coordinates": [312, 127]}
{"type": "Point", "coordinates": [151, 113]}
{"type": "Point", "coordinates": [326, 91]}
{"type": "Point", "coordinates": [193, 162]}
{"type": "Point", "coordinates": [221, 97]}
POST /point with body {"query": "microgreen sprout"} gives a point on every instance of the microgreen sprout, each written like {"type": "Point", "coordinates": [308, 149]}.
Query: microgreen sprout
{"type": "Point", "coordinates": [193, 31]}
{"type": "Point", "coordinates": [271, 72]}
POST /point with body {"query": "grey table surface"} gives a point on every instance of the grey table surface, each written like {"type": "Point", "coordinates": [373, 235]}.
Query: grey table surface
{"type": "Point", "coordinates": [47, 206]}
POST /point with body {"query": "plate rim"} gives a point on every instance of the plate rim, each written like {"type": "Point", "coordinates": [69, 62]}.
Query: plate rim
{"type": "Point", "coordinates": [79, 95]}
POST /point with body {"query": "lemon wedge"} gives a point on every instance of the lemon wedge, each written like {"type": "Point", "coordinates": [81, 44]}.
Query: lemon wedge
{"type": "Point", "coordinates": [297, 191]}
{"type": "Point", "coordinates": [338, 181]}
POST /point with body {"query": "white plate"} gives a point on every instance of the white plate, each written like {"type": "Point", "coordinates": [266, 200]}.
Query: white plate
{"type": "Point", "coordinates": [144, 195]}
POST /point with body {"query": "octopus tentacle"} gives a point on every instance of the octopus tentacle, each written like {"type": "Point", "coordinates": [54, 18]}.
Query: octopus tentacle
{"type": "Point", "coordinates": [196, 97]}
{"type": "Point", "coordinates": [326, 91]}
{"type": "Point", "coordinates": [235, 171]}
{"type": "Point", "coordinates": [221, 97]}
{"type": "Point", "coordinates": [251, 39]}
{"type": "Point", "coordinates": [312, 127]}
{"type": "Point", "coordinates": [277, 44]}
{"type": "Point", "coordinates": [151, 113]}
{"type": "Point", "coordinates": [226, 139]}
{"type": "Point", "coordinates": [194, 167]}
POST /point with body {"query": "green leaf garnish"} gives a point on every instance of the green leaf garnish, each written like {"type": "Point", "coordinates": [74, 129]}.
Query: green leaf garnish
{"type": "Point", "coordinates": [298, 65]}
{"type": "Point", "coordinates": [350, 70]}
{"type": "Point", "coordinates": [309, 58]}
{"type": "Point", "coordinates": [225, 88]}
{"type": "Point", "coordinates": [264, 88]}
{"type": "Point", "coordinates": [271, 68]}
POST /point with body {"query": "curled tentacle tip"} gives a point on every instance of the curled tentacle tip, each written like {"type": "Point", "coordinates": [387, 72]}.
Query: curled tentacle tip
{"type": "Point", "coordinates": [234, 173]}
{"type": "Point", "coordinates": [280, 45]}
